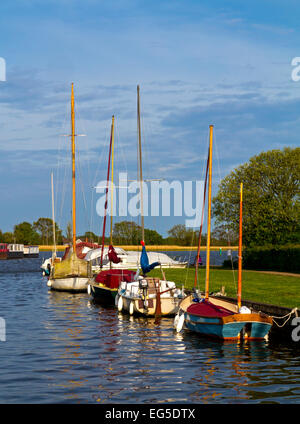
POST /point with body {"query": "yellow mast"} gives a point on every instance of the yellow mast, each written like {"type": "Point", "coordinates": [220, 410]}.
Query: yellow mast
{"type": "Point", "coordinates": [209, 212]}
{"type": "Point", "coordinates": [112, 178]}
{"type": "Point", "coordinates": [73, 168]}
{"type": "Point", "coordinates": [239, 295]}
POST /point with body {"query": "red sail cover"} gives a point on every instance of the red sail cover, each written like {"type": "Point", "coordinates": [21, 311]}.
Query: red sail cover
{"type": "Point", "coordinates": [112, 255]}
{"type": "Point", "coordinates": [208, 309]}
{"type": "Point", "coordinates": [113, 277]}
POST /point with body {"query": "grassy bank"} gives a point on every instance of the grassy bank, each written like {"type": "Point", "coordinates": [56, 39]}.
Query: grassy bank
{"type": "Point", "coordinates": [278, 290]}
{"type": "Point", "coordinates": [153, 248]}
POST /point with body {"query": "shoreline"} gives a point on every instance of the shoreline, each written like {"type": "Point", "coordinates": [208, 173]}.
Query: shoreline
{"type": "Point", "coordinates": [150, 247]}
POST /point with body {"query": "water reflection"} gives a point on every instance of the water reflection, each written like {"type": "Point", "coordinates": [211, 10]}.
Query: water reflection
{"type": "Point", "coordinates": [62, 347]}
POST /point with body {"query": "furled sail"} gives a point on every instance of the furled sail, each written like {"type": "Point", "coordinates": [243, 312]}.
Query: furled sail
{"type": "Point", "coordinates": [145, 261]}
{"type": "Point", "coordinates": [71, 266]}
{"type": "Point", "coordinates": [112, 255]}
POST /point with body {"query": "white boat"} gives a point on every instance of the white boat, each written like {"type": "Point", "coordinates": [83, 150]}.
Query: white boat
{"type": "Point", "coordinates": [72, 273]}
{"type": "Point", "coordinates": [145, 295]}
{"type": "Point", "coordinates": [149, 296]}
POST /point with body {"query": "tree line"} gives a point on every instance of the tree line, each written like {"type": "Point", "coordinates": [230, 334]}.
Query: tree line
{"type": "Point", "coordinates": [124, 233]}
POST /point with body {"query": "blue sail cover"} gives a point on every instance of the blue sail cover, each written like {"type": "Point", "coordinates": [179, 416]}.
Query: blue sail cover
{"type": "Point", "coordinates": [145, 261]}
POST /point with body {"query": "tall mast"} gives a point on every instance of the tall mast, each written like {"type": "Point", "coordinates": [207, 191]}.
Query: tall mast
{"type": "Point", "coordinates": [106, 193]}
{"type": "Point", "coordinates": [140, 159]}
{"type": "Point", "coordinates": [73, 168]}
{"type": "Point", "coordinates": [209, 212]}
{"type": "Point", "coordinates": [112, 179]}
{"type": "Point", "coordinates": [239, 296]}
{"type": "Point", "coordinates": [53, 217]}
{"type": "Point", "coordinates": [200, 231]}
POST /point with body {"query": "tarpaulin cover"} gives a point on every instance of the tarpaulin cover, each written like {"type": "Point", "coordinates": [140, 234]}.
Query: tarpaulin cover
{"type": "Point", "coordinates": [113, 277]}
{"type": "Point", "coordinates": [112, 255]}
{"type": "Point", "coordinates": [79, 248]}
{"type": "Point", "coordinates": [71, 266]}
{"type": "Point", "coordinates": [208, 309]}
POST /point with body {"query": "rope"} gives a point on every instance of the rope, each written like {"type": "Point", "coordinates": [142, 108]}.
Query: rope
{"type": "Point", "coordinates": [293, 311]}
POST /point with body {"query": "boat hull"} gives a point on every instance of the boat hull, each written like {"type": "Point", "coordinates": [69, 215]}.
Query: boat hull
{"type": "Point", "coordinates": [251, 326]}
{"type": "Point", "coordinates": [255, 327]}
{"type": "Point", "coordinates": [103, 294]}
{"type": "Point", "coordinates": [133, 305]}
{"type": "Point", "coordinates": [71, 284]}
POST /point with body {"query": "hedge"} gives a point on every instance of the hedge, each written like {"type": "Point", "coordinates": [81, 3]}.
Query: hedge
{"type": "Point", "coordinates": [274, 258]}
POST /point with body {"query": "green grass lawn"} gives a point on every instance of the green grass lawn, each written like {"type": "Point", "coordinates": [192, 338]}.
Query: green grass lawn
{"type": "Point", "coordinates": [258, 287]}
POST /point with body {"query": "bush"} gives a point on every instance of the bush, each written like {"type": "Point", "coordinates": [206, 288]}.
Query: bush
{"type": "Point", "coordinates": [272, 258]}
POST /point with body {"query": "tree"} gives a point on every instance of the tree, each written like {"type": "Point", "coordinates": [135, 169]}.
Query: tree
{"type": "Point", "coordinates": [90, 236]}
{"type": "Point", "coordinates": [153, 237]}
{"type": "Point", "coordinates": [127, 232]}
{"type": "Point", "coordinates": [44, 227]}
{"type": "Point", "coordinates": [24, 233]}
{"type": "Point", "coordinates": [271, 208]}
{"type": "Point", "coordinates": [69, 233]}
{"type": "Point", "coordinates": [8, 237]}
{"type": "Point", "coordinates": [182, 236]}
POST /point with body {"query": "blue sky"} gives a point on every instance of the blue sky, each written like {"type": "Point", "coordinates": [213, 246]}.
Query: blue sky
{"type": "Point", "coordinates": [226, 63]}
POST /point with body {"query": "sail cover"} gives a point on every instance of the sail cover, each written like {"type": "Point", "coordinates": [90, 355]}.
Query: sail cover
{"type": "Point", "coordinates": [112, 255]}
{"type": "Point", "coordinates": [145, 261]}
{"type": "Point", "coordinates": [71, 266]}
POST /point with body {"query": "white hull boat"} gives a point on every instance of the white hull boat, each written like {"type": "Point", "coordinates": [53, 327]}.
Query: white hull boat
{"type": "Point", "coordinates": [72, 284]}
{"type": "Point", "coordinates": [129, 259]}
{"type": "Point", "coordinates": [149, 297]}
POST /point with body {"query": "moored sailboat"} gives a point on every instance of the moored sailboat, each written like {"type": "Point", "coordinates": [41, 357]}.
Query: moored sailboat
{"type": "Point", "coordinates": [71, 273]}
{"type": "Point", "coordinates": [145, 295]}
{"type": "Point", "coordinates": [217, 318]}
{"type": "Point", "coordinates": [104, 286]}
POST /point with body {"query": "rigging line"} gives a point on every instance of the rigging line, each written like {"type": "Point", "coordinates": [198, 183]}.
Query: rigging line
{"type": "Point", "coordinates": [200, 231]}
{"type": "Point", "coordinates": [89, 180]}
{"type": "Point", "coordinates": [60, 159]}
{"type": "Point", "coordinates": [82, 187]}
{"type": "Point", "coordinates": [228, 235]}
{"type": "Point", "coordinates": [99, 165]}
{"type": "Point", "coordinates": [67, 166]}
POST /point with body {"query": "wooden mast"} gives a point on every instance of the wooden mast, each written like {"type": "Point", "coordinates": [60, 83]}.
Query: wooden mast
{"type": "Point", "coordinates": [112, 178]}
{"type": "Point", "coordinates": [53, 217]}
{"type": "Point", "coordinates": [200, 231]}
{"type": "Point", "coordinates": [239, 295]}
{"type": "Point", "coordinates": [73, 169]}
{"type": "Point", "coordinates": [209, 212]}
{"type": "Point", "coordinates": [140, 159]}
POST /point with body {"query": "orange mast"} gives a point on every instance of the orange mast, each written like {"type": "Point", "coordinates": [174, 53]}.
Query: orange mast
{"type": "Point", "coordinates": [73, 168]}
{"type": "Point", "coordinates": [209, 212]}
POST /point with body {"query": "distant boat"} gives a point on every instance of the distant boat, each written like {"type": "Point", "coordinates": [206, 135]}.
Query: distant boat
{"type": "Point", "coordinates": [130, 259]}
{"type": "Point", "coordinates": [31, 251]}
{"type": "Point", "coordinates": [71, 273]}
{"type": "Point", "coordinates": [212, 317]}
{"type": "Point", "coordinates": [11, 251]}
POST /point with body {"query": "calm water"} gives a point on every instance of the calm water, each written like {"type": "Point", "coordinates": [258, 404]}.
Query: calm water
{"type": "Point", "coordinates": [61, 348]}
